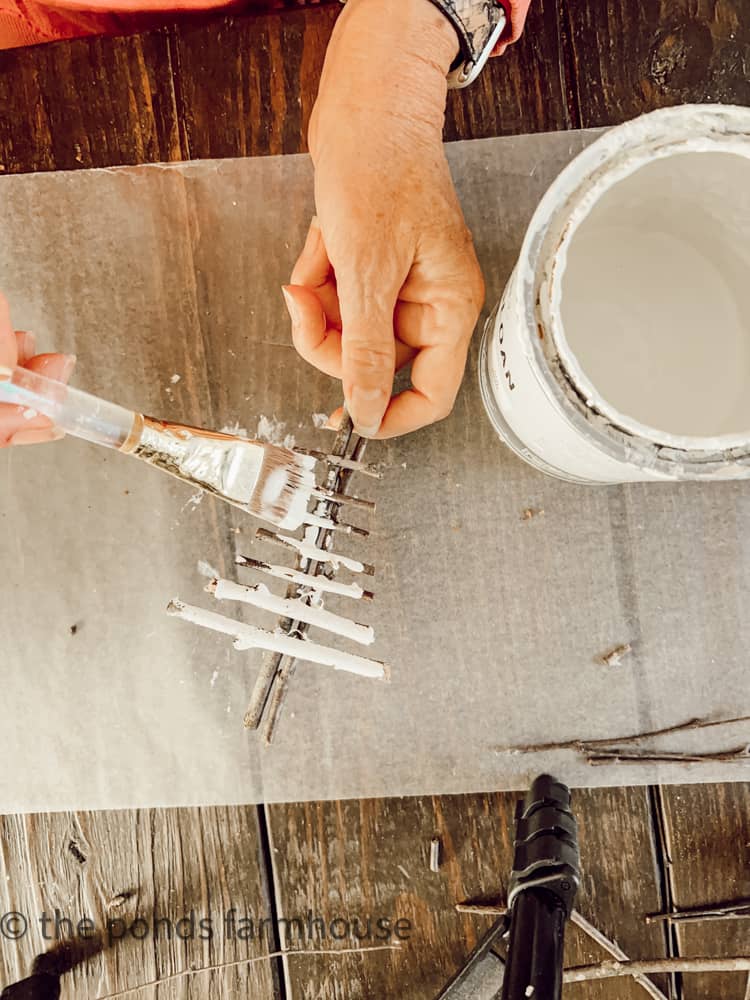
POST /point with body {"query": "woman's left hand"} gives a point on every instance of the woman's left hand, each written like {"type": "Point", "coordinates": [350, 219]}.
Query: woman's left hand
{"type": "Point", "coordinates": [18, 425]}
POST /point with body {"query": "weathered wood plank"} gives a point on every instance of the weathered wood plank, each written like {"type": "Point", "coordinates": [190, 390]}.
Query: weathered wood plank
{"type": "Point", "coordinates": [88, 103]}
{"type": "Point", "coordinates": [354, 859]}
{"type": "Point", "coordinates": [626, 59]}
{"type": "Point", "coordinates": [118, 867]}
{"type": "Point", "coordinates": [709, 831]}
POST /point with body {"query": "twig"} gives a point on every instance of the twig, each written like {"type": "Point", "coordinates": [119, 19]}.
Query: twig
{"type": "Point", "coordinates": [584, 745]}
{"type": "Point", "coordinates": [588, 928]}
{"type": "Point", "coordinates": [615, 756]}
{"type": "Point", "coordinates": [186, 973]}
{"type": "Point", "coordinates": [273, 664]}
{"type": "Point", "coordinates": [337, 479]}
{"type": "Point", "coordinates": [614, 969]}
{"type": "Point", "coordinates": [616, 952]}
{"type": "Point", "coordinates": [719, 911]}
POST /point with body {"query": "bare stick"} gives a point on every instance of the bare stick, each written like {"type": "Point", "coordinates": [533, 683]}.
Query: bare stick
{"type": "Point", "coordinates": [719, 911]}
{"type": "Point", "coordinates": [583, 744]}
{"type": "Point", "coordinates": [614, 969]}
{"type": "Point", "coordinates": [588, 928]}
{"type": "Point", "coordinates": [343, 498]}
{"type": "Point", "coordinates": [615, 756]}
{"type": "Point", "coordinates": [187, 973]}
{"type": "Point", "coordinates": [615, 951]}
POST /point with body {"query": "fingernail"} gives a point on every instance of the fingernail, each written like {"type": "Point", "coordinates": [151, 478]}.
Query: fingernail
{"type": "Point", "coordinates": [367, 407]}
{"type": "Point", "coordinates": [37, 437]}
{"type": "Point", "coordinates": [333, 423]}
{"type": "Point", "coordinates": [26, 343]}
{"type": "Point", "coordinates": [68, 366]}
{"type": "Point", "coordinates": [291, 305]}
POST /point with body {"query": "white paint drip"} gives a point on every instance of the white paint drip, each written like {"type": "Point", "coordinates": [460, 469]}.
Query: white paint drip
{"type": "Point", "coordinates": [175, 379]}
{"type": "Point", "coordinates": [250, 637]}
{"type": "Point", "coordinates": [214, 678]}
{"type": "Point", "coordinates": [259, 596]}
{"type": "Point", "coordinates": [236, 430]}
{"type": "Point", "coordinates": [320, 420]}
{"type": "Point", "coordinates": [310, 550]}
{"type": "Point", "coordinates": [207, 570]}
{"type": "Point", "coordinates": [272, 430]}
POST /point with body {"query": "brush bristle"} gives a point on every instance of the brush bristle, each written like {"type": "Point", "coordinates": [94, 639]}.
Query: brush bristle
{"type": "Point", "coordinates": [284, 487]}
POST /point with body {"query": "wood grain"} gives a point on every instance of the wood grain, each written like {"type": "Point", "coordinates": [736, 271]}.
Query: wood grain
{"type": "Point", "coordinates": [709, 831]}
{"type": "Point", "coordinates": [88, 103]}
{"type": "Point", "coordinates": [151, 865]}
{"type": "Point", "coordinates": [354, 859]}
{"type": "Point", "coordinates": [626, 59]}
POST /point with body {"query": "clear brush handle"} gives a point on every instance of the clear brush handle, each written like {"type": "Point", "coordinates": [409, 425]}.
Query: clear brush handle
{"type": "Point", "coordinates": [73, 411]}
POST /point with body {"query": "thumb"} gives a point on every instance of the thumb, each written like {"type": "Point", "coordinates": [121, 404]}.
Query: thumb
{"type": "Point", "coordinates": [368, 356]}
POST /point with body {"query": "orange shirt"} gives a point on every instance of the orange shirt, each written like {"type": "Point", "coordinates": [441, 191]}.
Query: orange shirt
{"type": "Point", "coordinates": [27, 22]}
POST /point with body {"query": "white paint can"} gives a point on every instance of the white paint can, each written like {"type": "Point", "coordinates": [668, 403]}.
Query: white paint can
{"type": "Point", "coordinates": [620, 350]}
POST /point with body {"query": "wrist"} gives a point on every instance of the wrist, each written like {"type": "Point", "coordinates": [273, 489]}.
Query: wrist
{"type": "Point", "coordinates": [389, 58]}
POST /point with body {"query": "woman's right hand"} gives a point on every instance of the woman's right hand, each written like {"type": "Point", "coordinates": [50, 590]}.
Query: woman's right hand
{"type": "Point", "coordinates": [18, 348]}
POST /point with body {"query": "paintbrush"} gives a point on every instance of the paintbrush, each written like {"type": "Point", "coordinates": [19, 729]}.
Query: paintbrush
{"type": "Point", "coordinates": [273, 483]}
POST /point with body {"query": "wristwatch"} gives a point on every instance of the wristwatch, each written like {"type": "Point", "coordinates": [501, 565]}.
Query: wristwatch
{"type": "Point", "coordinates": [479, 25]}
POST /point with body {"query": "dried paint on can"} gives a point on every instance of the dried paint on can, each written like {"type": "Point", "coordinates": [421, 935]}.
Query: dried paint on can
{"type": "Point", "coordinates": [620, 350]}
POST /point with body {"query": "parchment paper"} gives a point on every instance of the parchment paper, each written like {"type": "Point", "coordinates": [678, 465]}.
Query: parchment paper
{"type": "Point", "coordinates": [492, 623]}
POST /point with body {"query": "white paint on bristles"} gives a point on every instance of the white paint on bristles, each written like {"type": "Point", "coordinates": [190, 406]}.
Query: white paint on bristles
{"type": "Point", "coordinates": [250, 637]}
{"type": "Point", "coordinates": [620, 351]}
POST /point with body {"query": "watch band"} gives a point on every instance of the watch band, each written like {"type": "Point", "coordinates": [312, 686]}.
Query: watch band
{"type": "Point", "coordinates": [479, 25]}
{"type": "Point", "coordinates": [476, 23]}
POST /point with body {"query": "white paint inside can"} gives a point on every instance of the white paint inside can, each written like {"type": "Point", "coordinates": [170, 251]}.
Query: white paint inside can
{"type": "Point", "coordinates": [620, 351]}
{"type": "Point", "coordinates": [655, 295]}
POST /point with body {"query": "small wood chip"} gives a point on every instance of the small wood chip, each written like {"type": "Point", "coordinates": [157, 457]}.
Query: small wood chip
{"type": "Point", "coordinates": [614, 657]}
{"type": "Point", "coordinates": [435, 854]}
{"type": "Point", "coordinates": [531, 512]}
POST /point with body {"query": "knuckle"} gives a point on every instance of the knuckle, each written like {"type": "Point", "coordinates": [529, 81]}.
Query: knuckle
{"type": "Point", "coordinates": [375, 359]}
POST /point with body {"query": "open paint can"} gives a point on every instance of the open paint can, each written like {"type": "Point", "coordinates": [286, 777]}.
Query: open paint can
{"type": "Point", "coordinates": [620, 350]}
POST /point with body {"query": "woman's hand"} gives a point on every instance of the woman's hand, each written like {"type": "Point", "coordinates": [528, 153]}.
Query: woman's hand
{"type": "Point", "coordinates": [18, 348]}
{"type": "Point", "coordinates": [388, 275]}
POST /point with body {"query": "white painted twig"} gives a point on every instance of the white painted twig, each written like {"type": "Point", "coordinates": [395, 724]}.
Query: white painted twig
{"type": "Point", "coordinates": [251, 637]}
{"type": "Point", "coordinates": [318, 582]}
{"type": "Point", "coordinates": [611, 970]}
{"type": "Point", "coordinates": [311, 551]}
{"type": "Point", "coordinates": [259, 596]}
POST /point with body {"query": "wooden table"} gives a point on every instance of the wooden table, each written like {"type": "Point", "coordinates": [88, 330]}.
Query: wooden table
{"type": "Point", "coordinates": [244, 86]}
